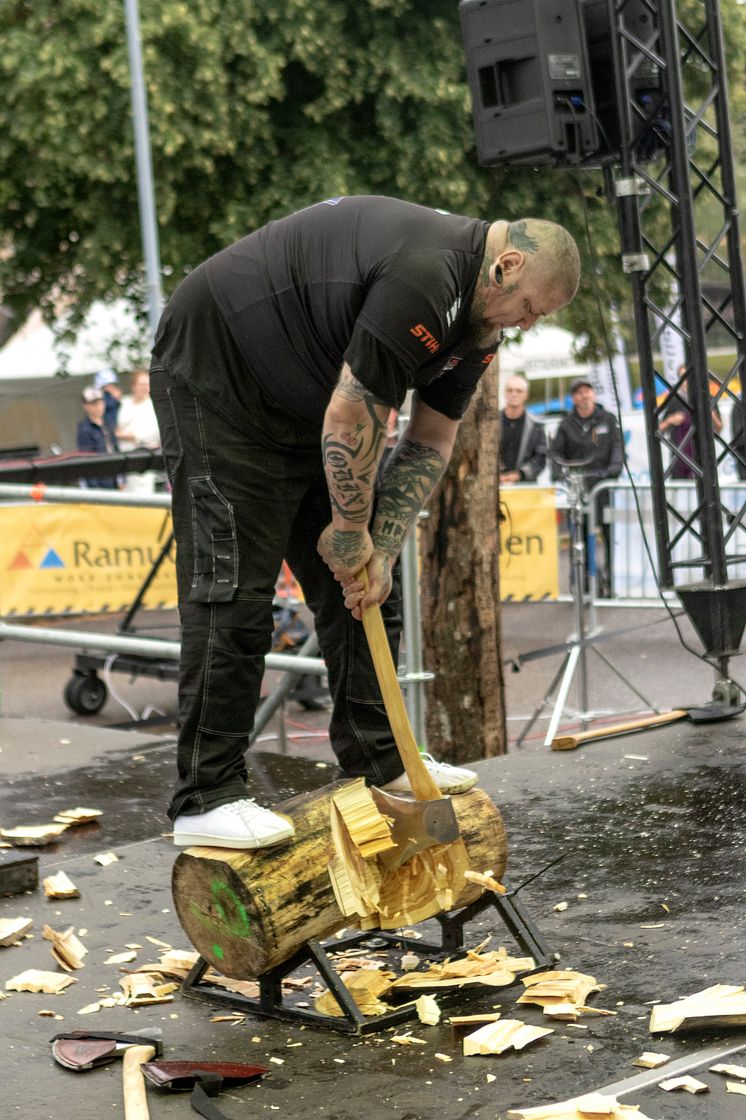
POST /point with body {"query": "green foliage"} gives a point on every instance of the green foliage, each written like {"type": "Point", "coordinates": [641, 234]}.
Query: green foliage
{"type": "Point", "coordinates": [255, 109]}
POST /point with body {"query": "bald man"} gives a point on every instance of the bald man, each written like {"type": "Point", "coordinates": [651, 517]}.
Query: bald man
{"type": "Point", "coordinates": [523, 445]}
{"type": "Point", "coordinates": [275, 367]}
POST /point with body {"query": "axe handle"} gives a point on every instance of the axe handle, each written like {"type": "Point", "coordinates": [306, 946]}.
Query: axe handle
{"type": "Point", "coordinates": [570, 742]}
{"type": "Point", "coordinates": [133, 1082]}
{"type": "Point", "coordinates": [423, 786]}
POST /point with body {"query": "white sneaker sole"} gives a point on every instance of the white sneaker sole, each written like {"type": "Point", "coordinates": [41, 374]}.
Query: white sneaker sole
{"type": "Point", "coordinates": [459, 787]}
{"type": "Point", "coordinates": [242, 843]}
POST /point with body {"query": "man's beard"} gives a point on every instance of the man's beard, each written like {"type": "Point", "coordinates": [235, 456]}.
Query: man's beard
{"type": "Point", "coordinates": [478, 335]}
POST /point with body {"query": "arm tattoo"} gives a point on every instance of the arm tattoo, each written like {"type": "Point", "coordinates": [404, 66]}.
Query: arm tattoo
{"type": "Point", "coordinates": [351, 455]}
{"type": "Point", "coordinates": [412, 472]}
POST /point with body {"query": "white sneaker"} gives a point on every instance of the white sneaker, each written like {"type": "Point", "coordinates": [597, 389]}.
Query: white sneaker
{"type": "Point", "coordinates": [239, 824]}
{"type": "Point", "coordinates": [448, 779]}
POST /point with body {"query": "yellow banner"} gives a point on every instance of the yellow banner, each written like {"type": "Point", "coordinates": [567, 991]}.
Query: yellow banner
{"type": "Point", "coordinates": [528, 544]}
{"type": "Point", "coordinates": [65, 559]}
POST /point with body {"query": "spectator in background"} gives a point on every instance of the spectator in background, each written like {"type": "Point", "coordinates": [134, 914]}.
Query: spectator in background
{"type": "Point", "coordinates": [678, 418]}
{"type": "Point", "coordinates": [95, 435]}
{"type": "Point", "coordinates": [108, 382]}
{"type": "Point", "coordinates": [523, 445]}
{"type": "Point", "coordinates": [138, 427]}
{"type": "Point", "coordinates": [738, 443]}
{"type": "Point", "coordinates": [590, 435]}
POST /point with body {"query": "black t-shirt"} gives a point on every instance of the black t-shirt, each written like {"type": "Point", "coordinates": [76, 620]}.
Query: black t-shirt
{"type": "Point", "coordinates": [382, 284]}
{"type": "Point", "coordinates": [510, 440]}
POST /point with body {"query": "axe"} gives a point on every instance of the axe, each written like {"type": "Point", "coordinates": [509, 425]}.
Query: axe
{"type": "Point", "coordinates": [706, 713]}
{"type": "Point", "coordinates": [430, 819]}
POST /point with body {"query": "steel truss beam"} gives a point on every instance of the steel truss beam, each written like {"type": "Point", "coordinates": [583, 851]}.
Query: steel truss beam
{"type": "Point", "coordinates": [679, 228]}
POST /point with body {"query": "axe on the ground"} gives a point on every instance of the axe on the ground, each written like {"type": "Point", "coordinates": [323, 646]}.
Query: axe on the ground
{"type": "Point", "coordinates": [430, 819]}
{"type": "Point", "coordinates": [706, 713]}
{"type": "Point", "coordinates": [81, 1050]}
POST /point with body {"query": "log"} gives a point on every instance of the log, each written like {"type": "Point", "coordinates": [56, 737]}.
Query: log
{"type": "Point", "coordinates": [247, 911]}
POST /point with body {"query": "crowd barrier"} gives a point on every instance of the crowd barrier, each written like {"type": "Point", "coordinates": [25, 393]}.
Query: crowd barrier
{"type": "Point", "coordinates": [533, 542]}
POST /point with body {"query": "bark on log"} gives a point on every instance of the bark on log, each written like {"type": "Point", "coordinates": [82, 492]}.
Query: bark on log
{"type": "Point", "coordinates": [460, 603]}
{"type": "Point", "coordinates": [247, 911]}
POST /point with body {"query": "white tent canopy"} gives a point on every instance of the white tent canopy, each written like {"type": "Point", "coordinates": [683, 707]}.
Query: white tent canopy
{"type": "Point", "coordinates": [30, 352]}
{"type": "Point", "coordinates": [539, 353]}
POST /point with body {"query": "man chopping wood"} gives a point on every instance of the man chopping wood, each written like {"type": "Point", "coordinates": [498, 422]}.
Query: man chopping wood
{"type": "Point", "coordinates": [275, 367]}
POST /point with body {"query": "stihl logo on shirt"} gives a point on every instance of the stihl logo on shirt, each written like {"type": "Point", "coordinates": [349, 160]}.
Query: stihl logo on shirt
{"type": "Point", "coordinates": [423, 334]}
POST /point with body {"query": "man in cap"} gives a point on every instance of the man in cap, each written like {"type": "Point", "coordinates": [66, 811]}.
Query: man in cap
{"type": "Point", "coordinates": [95, 435]}
{"type": "Point", "coordinates": [107, 381]}
{"type": "Point", "coordinates": [590, 435]}
{"type": "Point", "coordinates": [275, 368]}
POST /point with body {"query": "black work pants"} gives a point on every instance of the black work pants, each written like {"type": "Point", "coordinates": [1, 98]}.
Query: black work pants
{"type": "Point", "coordinates": [245, 497]}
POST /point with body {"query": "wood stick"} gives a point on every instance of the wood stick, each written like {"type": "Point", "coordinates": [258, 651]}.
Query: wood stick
{"type": "Point", "coordinates": [570, 742]}
{"type": "Point", "coordinates": [423, 785]}
{"type": "Point", "coordinates": [133, 1082]}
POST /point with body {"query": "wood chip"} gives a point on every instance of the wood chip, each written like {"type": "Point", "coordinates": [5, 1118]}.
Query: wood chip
{"type": "Point", "coordinates": [13, 930]}
{"type": "Point", "coordinates": [568, 1110]}
{"type": "Point", "coordinates": [37, 980]}
{"type": "Point", "coordinates": [494, 969]}
{"type": "Point", "coordinates": [735, 1087]}
{"type": "Point", "coordinates": [651, 1060]}
{"type": "Point", "coordinates": [369, 829]}
{"type": "Point", "coordinates": [33, 835]}
{"type": "Point", "coordinates": [688, 1084]}
{"type": "Point", "coordinates": [60, 886]}
{"type": "Point", "coordinates": [428, 1011]}
{"type": "Point", "coordinates": [365, 986]}
{"type": "Point", "coordinates": [140, 989]}
{"type": "Point", "coordinates": [160, 944]}
{"type": "Point", "coordinates": [121, 958]}
{"type": "Point", "coordinates": [596, 1104]}
{"type": "Point", "coordinates": [729, 1070]}
{"type": "Point", "coordinates": [485, 879]}
{"type": "Point", "coordinates": [408, 1040]}
{"type": "Point", "coordinates": [507, 1034]}
{"type": "Point", "coordinates": [561, 991]}
{"type": "Point", "coordinates": [67, 949]}
{"type": "Point", "coordinates": [443, 1057]}
{"type": "Point", "coordinates": [719, 1005]}
{"type": "Point", "coordinates": [78, 816]}
{"type": "Point", "coordinates": [105, 858]}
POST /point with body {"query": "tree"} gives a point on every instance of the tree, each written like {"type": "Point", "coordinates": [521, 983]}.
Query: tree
{"type": "Point", "coordinates": [459, 593]}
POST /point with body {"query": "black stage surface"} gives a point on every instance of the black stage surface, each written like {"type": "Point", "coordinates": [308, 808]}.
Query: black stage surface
{"type": "Point", "coordinates": [652, 831]}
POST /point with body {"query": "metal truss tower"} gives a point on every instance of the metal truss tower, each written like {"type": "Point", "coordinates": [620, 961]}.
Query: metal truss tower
{"type": "Point", "coordinates": [675, 194]}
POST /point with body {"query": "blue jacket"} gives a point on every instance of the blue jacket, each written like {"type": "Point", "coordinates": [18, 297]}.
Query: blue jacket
{"type": "Point", "coordinates": [100, 439]}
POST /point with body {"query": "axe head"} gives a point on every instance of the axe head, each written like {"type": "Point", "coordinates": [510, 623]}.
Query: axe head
{"type": "Point", "coordinates": [416, 825]}
{"type": "Point", "coordinates": [81, 1050]}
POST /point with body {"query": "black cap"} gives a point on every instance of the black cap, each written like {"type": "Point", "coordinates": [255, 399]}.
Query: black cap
{"type": "Point", "coordinates": [580, 381]}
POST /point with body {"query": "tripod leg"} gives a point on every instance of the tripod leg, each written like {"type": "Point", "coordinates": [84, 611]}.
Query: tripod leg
{"type": "Point", "coordinates": [622, 678]}
{"type": "Point", "coordinates": [543, 704]}
{"type": "Point", "coordinates": [559, 704]}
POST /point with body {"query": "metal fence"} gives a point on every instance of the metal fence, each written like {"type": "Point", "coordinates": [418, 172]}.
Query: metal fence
{"type": "Point", "coordinates": [633, 578]}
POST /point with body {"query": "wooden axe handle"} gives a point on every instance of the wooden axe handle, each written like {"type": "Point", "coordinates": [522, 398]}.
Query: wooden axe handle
{"type": "Point", "coordinates": [423, 785]}
{"type": "Point", "coordinates": [570, 742]}
{"type": "Point", "coordinates": [133, 1082]}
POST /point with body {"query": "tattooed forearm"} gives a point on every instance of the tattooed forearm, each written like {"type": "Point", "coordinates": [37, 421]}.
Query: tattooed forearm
{"type": "Point", "coordinates": [351, 447]}
{"type": "Point", "coordinates": [412, 472]}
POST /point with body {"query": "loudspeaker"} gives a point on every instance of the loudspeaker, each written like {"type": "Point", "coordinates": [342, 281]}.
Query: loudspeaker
{"type": "Point", "coordinates": [528, 71]}
{"type": "Point", "coordinates": [649, 117]}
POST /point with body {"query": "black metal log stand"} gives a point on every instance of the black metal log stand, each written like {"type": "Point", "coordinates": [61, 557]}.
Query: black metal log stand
{"type": "Point", "coordinates": [271, 1003]}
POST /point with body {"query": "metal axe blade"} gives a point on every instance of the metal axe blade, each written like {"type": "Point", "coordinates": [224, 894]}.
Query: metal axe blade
{"type": "Point", "coordinates": [416, 825]}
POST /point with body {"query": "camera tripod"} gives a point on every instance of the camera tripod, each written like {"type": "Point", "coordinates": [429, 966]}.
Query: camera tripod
{"type": "Point", "coordinates": [580, 641]}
